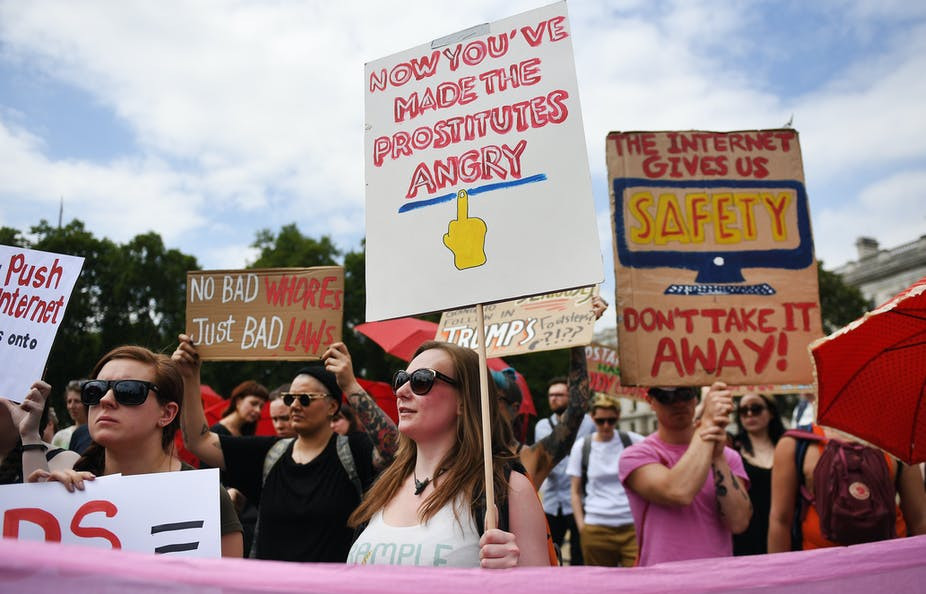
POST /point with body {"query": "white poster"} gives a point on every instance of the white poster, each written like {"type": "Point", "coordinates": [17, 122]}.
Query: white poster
{"type": "Point", "coordinates": [174, 513]}
{"type": "Point", "coordinates": [34, 291]}
{"type": "Point", "coordinates": [477, 180]}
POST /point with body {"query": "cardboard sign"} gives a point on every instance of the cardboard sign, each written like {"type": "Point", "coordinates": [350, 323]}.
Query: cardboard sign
{"type": "Point", "coordinates": [714, 261]}
{"type": "Point", "coordinates": [531, 324]}
{"type": "Point", "coordinates": [477, 180]}
{"type": "Point", "coordinates": [34, 291]}
{"type": "Point", "coordinates": [271, 313]}
{"type": "Point", "coordinates": [604, 373]}
{"type": "Point", "coordinates": [174, 513]}
{"type": "Point", "coordinates": [772, 389]}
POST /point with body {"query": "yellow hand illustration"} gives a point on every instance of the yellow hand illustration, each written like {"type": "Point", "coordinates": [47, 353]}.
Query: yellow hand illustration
{"type": "Point", "coordinates": [465, 236]}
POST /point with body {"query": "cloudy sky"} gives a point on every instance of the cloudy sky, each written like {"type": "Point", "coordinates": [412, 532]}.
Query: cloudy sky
{"type": "Point", "coordinates": [209, 120]}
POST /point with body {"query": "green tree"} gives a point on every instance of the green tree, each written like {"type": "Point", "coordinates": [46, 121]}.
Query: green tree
{"type": "Point", "coordinates": [840, 303]}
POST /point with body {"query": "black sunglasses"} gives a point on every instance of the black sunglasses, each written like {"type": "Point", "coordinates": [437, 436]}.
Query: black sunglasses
{"type": "Point", "coordinates": [608, 420]}
{"type": "Point", "coordinates": [421, 380]}
{"type": "Point", "coordinates": [128, 392]}
{"type": "Point", "coordinates": [673, 396]}
{"type": "Point", "coordinates": [751, 410]}
{"type": "Point", "coordinates": [304, 399]}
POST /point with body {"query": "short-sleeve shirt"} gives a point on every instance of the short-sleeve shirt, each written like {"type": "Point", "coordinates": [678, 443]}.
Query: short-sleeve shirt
{"type": "Point", "coordinates": [303, 507]}
{"type": "Point", "coordinates": [555, 490]}
{"type": "Point", "coordinates": [676, 533]}
{"type": "Point", "coordinates": [606, 501]}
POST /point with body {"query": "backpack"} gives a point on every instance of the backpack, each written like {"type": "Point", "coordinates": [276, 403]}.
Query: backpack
{"type": "Point", "coordinates": [276, 451]}
{"type": "Point", "coordinates": [587, 451]}
{"type": "Point", "coordinates": [853, 493]}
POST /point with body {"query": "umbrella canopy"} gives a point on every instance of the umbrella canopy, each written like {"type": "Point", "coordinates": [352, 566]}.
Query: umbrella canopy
{"type": "Point", "coordinates": [871, 376]}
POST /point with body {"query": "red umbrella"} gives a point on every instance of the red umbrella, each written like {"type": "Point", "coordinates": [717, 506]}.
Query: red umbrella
{"type": "Point", "coordinates": [871, 376]}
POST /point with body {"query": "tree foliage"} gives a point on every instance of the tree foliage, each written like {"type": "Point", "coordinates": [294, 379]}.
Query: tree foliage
{"type": "Point", "coordinates": [840, 303]}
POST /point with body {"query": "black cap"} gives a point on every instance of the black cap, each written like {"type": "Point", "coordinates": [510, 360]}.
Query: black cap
{"type": "Point", "coordinates": [327, 379]}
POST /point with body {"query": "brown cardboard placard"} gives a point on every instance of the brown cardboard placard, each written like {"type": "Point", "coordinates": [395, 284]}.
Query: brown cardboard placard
{"type": "Point", "coordinates": [526, 325]}
{"type": "Point", "coordinates": [265, 314]}
{"type": "Point", "coordinates": [604, 373]}
{"type": "Point", "coordinates": [714, 263]}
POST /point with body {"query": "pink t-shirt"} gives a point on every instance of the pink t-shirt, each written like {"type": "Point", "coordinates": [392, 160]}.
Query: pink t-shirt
{"type": "Point", "coordinates": [677, 533]}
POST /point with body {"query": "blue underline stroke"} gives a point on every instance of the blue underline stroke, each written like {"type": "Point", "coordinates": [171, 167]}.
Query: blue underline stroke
{"type": "Point", "coordinates": [474, 191]}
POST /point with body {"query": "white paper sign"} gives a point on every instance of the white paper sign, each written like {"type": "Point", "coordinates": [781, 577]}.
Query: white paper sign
{"type": "Point", "coordinates": [34, 291]}
{"type": "Point", "coordinates": [174, 513]}
{"type": "Point", "coordinates": [477, 180]}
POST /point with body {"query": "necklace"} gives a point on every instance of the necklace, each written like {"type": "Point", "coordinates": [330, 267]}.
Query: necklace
{"type": "Point", "coordinates": [420, 485]}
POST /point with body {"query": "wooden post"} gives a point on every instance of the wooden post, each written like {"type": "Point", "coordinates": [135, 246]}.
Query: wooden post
{"type": "Point", "coordinates": [491, 521]}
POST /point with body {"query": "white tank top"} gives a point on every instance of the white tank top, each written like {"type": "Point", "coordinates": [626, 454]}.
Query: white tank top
{"type": "Point", "coordinates": [439, 542]}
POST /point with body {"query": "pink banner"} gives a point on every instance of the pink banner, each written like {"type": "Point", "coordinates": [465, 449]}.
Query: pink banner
{"type": "Point", "coordinates": [53, 568]}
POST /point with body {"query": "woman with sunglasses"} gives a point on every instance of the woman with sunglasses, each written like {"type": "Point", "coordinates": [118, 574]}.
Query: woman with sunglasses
{"type": "Point", "coordinates": [758, 428]}
{"type": "Point", "coordinates": [426, 508]}
{"type": "Point", "coordinates": [307, 486]}
{"type": "Point", "coordinates": [599, 502]}
{"type": "Point", "coordinates": [134, 400]}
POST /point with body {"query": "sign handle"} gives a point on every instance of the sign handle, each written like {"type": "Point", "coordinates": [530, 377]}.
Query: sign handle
{"type": "Point", "coordinates": [491, 521]}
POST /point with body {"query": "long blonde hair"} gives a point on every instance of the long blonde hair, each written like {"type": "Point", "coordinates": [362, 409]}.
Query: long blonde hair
{"type": "Point", "coordinates": [462, 467]}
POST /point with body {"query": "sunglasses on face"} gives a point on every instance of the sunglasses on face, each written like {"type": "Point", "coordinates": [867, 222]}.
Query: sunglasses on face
{"type": "Point", "coordinates": [304, 399]}
{"type": "Point", "coordinates": [751, 410]}
{"type": "Point", "coordinates": [420, 380]}
{"type": "Point", "coordinates": [127, 392]}
{"type": "Point", "coordinates": [606, 420]}
{"type": "Point", "coordinates": [673, 396]}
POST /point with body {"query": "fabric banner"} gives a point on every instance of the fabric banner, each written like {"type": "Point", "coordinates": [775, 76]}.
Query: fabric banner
{"type": "Point", "coordinates": [265, 314]}
{"type": "Point", "coordinates": [477, 180]}
{"type": "Point", "coordinates": [35, 288]}
{"type": "Point", "coordinates": [531, 324]}
{"type": "Point", "coordinates": [714, 261]}
{"type": "Point", "coordinates": [51, 569]}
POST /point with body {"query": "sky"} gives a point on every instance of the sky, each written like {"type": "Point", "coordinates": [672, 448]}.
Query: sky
{"type": "Point", "coordinates": [207, 121]}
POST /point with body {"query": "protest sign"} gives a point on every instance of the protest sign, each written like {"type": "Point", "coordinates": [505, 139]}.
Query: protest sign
{"type": "Point", "coordinates": [530, 324]}
{"type": "Point", "coordinates": [270, 313]}
{"type": "Point", "coordinates": [33, 298]}
{"type": "Point", "coordinates": [477, 181]}
{"type": "Point", "coordinates": [604, 373]}
{"type": "Point", "coordinates": [165, 512]}
{"type": "Point", "coordinates": [714, 261]}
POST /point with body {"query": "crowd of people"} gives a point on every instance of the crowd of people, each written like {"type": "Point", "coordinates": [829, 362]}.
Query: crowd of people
{"type": "Point", "coordinates": [340, 481]}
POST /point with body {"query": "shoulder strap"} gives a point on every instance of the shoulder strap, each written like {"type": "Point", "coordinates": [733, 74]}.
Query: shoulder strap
{"type": "Point", "coordinates": [803, 498]}
{"type": "Point", "coordinates": [273, 456]}
{"type": "Point", "coordinates": [625, 439]}
{"type": "Point", "coordinates": [347, 461]}
{"type": "Point", "coordinates": [586, 453]}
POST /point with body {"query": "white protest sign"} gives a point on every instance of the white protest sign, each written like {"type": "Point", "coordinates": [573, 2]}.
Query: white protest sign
{"type": "Point", "coordinates": [34, 291]}
{"type": "Point", "coordinates": [173, 513]}
{"type": "Point", "coordinates": [477, 180]}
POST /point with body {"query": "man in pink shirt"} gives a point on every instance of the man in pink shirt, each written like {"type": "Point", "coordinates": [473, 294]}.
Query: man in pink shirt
{"type": "Point", "coordinates": [687, 490]}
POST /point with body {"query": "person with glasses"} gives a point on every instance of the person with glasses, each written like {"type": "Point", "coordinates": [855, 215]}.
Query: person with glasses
{"type": "Point", "coordinates": [427, 508]}
{"type": "Point", "coordinates": [305, 487]}
{"type": "Point", "coordinates": [758, 428]}
{"type": "Point", "coordinates": [599, 502]}
{"type": "Point", "coordinates": [134, 399]}
{"type": "Point", "coordinates": [687, 490]}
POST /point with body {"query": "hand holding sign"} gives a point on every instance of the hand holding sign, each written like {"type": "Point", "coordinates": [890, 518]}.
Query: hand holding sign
{"type": "Point", "coordinates": [465, 236]}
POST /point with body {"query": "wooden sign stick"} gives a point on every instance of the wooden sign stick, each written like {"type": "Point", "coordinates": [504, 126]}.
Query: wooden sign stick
{"type": "Point", "coordinates": [491, 521]}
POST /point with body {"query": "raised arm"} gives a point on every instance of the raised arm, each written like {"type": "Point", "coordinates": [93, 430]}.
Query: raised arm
{"type": "Point", "coordinates": [376, 422]}
{"type": "Point", "coordinates": [785, 481]}
{"type": "Point", "coordinates": [203, 443]}
{"type": "Point", "coordinates": [26, 418]}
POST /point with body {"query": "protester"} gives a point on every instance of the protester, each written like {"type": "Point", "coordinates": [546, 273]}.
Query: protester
{"type": "Point", "coordinates": [20, 443]}
{"type": "Point", "coordinates": [345, 421]}
{"type": "Point", "coordinates": [432, 499]}
{"type": "Point", "coordinates": [793, 529]}
{"type": "Point", "coordinates": [555, 490]}
{"type": "Point", "coordinates": [602, 511]}
{"type": "Point", "coordinates": [133, 432]}
{"type": "Point", "coordinates": [544, 454]}
{"type": "Point", "coordinates": [758, 429]}
{"type": "Point", "coordinates": [804, 413]}
{"type": "Point", "coordinates": [279, 415]}
{"type": "Point", "coordinates": [687, 490]}
{"type": "Point", "coordinates": [243, 410]}
{"type": "Point", "coordinates": [76, 410]}
{"type": "Point", "coordinates": [305, 487]}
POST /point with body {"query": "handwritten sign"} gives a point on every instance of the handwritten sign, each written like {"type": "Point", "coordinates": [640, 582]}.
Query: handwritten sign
{"type": "Point", "coordinates": [530, 324]}
{"type": "Point", "coordinates": [476, 169]}
{"type": "Point", "coordinates": [34, 294]}
{"type": "Point", "coordinates": [714, 261]}
{"type": "Point", "coordinates": [271, 313]}
{"type": "Point", "coordinates": [173, 513]}
{"type": "Point", "coordinates": [604, 373]}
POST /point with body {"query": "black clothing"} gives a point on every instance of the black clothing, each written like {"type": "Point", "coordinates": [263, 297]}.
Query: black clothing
{"type": "Point", "coordinates": [755, 540]}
